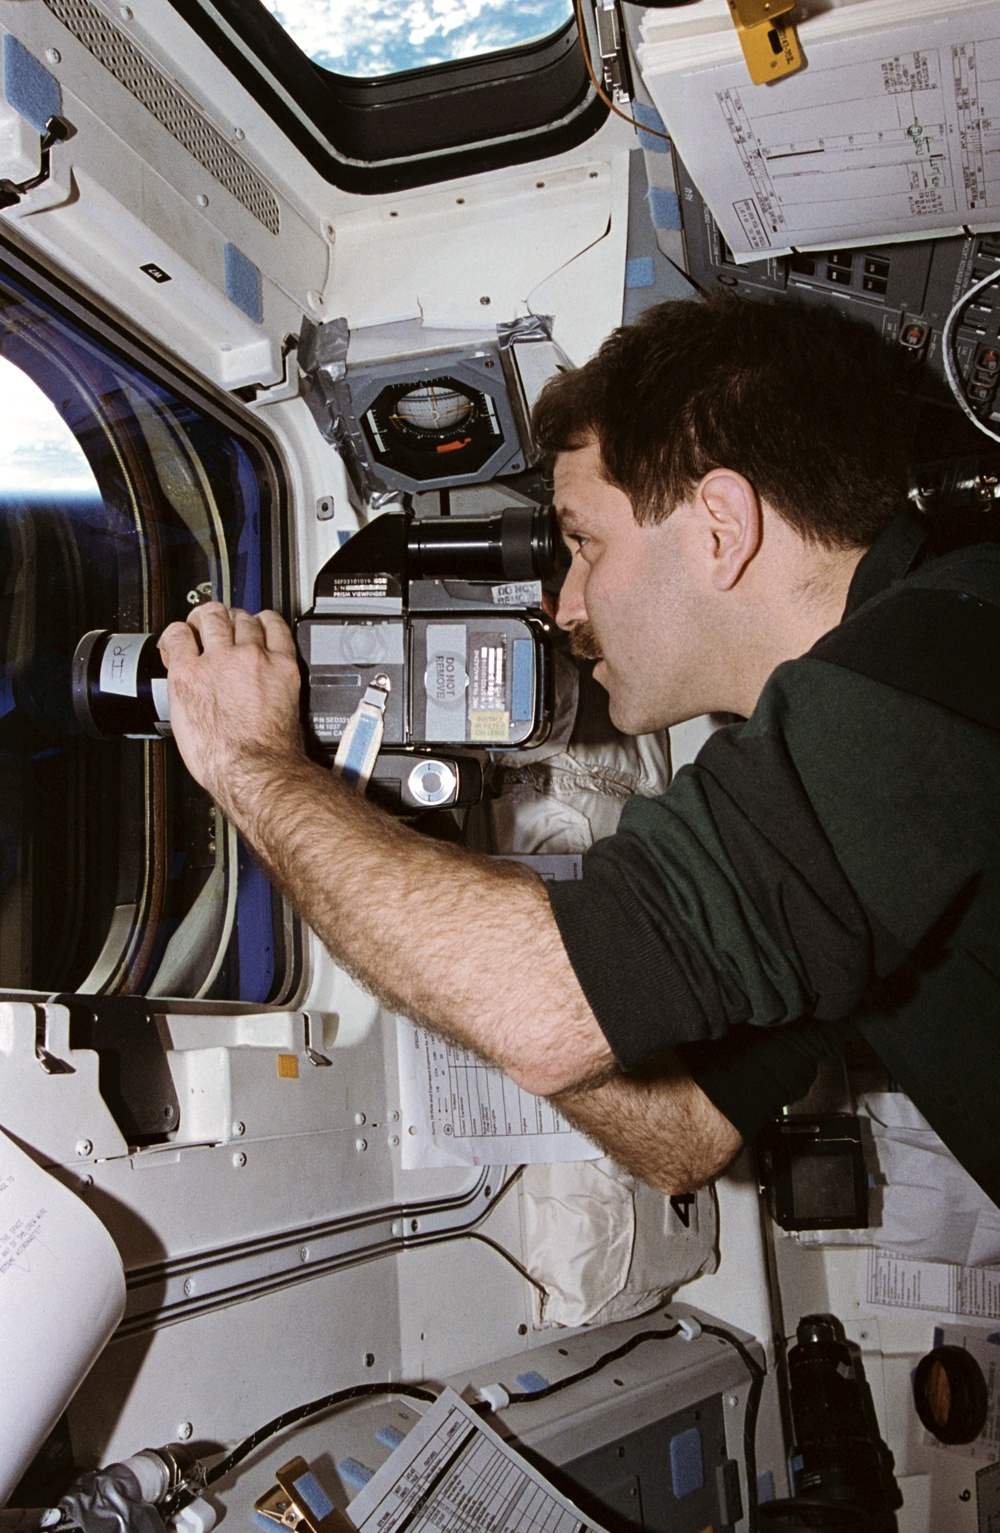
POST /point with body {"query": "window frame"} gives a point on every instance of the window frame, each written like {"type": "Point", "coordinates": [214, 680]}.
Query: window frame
{"type": "Point", "coordinates": [414, 128]}
{"type": "Point", "coordinates": [102, 328]}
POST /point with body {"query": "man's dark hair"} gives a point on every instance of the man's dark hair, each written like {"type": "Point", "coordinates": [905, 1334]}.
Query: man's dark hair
{"type": "Point", "coordinates": [798, 400]}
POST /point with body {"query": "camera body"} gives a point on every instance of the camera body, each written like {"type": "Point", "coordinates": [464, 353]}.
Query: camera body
{"type": "Point", "coordinates": [449, 611]}
{"type": "Point", "coordinates": [444, 614]}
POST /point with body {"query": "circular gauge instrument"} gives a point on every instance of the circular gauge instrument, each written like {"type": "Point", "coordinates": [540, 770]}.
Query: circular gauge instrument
{"type": "Point", "coordinates": [431, 427]}
{"type": "Point", "coordinates": [433, 409]}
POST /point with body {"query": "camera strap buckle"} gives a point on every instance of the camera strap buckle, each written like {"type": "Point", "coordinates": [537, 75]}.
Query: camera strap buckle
{"type": "Point", "coordinates": [362, 739]}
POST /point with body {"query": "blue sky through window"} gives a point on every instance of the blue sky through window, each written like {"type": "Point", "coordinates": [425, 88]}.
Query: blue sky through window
{"type": "Point", "coordinates": [368, 38]}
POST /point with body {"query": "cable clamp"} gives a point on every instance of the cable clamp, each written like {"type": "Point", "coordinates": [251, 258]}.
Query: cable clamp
{"type": "Point", "coordinates": [495, 1396]}
{"type": "Point", "coordinates": [689, 1329]}
{"type": "Point", "coordinates": [299, 1503]}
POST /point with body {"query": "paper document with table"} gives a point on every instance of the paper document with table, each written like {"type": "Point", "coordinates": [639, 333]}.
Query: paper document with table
{"type": "Point", "coordinates": [453, 1472]}
{"type": "Point", "coordinates": [892, 129]}
{"type": "Point", "coordinates": [460, 1111]}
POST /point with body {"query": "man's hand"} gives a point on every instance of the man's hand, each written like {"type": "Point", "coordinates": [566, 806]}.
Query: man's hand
{"type": "Point", "coordinates": [234, 688]}
{"type": "Point", "coordinates": [657, 1123]}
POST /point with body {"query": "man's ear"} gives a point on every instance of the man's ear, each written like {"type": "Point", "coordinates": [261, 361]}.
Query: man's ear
{"type": "Point", "coordinates": [732, 522]}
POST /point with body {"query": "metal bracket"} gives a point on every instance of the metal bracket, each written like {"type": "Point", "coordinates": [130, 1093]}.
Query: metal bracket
{"type": "Point", "coordinates": [134, 1079]}
{"type": "Point", "coordinates": [768, 38]}
{"type": "Point", "coordinates": [48, 1061]}
{"type": "Point", "coordinates": [614, 50]}
{"type": "Point", "coordinates": [57, 130]}
{"type": "Point", "coordinates": [299, 1502]}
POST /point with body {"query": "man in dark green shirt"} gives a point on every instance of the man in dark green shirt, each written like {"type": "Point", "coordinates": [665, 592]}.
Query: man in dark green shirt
{"type": "Point", "coordinates": [728, 476]}
{"type": "Point", "coordinates": [844, 843]}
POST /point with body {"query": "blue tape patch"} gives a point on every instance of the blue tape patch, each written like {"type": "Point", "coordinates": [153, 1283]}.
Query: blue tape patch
{"type": "Point", "coordinates": [388, 1437]}
{"type": "Point", "coordinates": [531, 1382]}
{"type": "Point", "coordinates": [313, 1494]}
{"type": "Point", "coordinates": [243, 285]}
{"type": "Point", "coordinates": [649, 117]}
{"type": "Point", "coordinates": [664, 208]}
{"type": "Point", "coordinates": [765, 1486]}
{"type": "Point", "coordinates": [522, 680]}
{"type": "Point", "coordinates": [28, 86]}
{"type": "Point", "coordinates": [640, 272]}
{"type": "Point", "coordinates": [354, 1474]}
{"type": "Point", "coordinates": [687, 1467]}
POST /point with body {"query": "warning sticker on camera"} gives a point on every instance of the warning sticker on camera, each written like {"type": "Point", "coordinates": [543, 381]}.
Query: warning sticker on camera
{"type": "Point", "coordinates": [487, 672]}
{"type": "Point", "coordinates": [489, 728]}
{"type": "Point", "coordinates": [445, 681]}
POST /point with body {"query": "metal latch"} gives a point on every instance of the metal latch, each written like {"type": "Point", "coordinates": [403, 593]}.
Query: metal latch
{"type": "Point", "coordinates": [11, 192]}
{"type": "Point", "coordinates": [299, 1502]}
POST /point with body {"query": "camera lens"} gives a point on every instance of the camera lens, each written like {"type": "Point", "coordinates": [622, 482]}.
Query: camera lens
{"type": "Point", "coordinates": [520, 543]}
{"type": "Point", "coordinates": [119, 685]}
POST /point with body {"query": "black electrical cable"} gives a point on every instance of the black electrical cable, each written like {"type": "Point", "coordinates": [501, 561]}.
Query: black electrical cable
{"type": "Point", "coordinates": [187, 1493]}
{"type": "Point", "coordinates": [512, 1261]}
{"type": "Point", "coordinates": [521, 1397]}
{"type": "Point", "coordinates": [756, 1372]}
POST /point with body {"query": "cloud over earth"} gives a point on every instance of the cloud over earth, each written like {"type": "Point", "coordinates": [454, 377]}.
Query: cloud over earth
{"type": "Point", "coordinates": [377, 37]}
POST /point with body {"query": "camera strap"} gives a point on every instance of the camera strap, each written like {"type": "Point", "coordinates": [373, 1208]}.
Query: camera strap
{"type": "Point", "coordinates": [362, 738]}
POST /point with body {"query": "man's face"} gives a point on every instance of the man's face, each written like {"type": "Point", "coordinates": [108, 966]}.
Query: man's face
{"type": "Point", "coordinates": [633, 598]}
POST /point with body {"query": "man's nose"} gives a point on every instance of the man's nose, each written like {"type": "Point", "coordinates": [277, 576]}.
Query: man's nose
{"type": "Point", "coordinates": [572, 609]}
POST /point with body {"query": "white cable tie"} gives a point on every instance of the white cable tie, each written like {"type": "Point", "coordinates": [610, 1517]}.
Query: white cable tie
{"type": "Point", "coordinates": [199, 1516]}
{"type": "Point", "coordinates": [495, 1396]}
{"type": "Point", "coordinates": [362, 739]}
{"type": "Point", "coordinates": [689, 1328]}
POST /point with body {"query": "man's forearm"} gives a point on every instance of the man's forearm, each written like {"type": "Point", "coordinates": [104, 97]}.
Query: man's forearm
{"type": "Point", "coordinates": [339, 858]}
{"type": "Point", "coordinates": [657, 1123]}
{"type": "Point", "coordinates": [466, 944]}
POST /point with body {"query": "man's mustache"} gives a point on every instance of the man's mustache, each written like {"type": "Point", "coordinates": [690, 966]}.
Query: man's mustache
{"type": "Point", "coordinates": [583, 642]}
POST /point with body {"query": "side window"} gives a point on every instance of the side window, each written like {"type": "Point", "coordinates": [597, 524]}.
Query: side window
{"type": "Point", "coordinates": [121, 502]}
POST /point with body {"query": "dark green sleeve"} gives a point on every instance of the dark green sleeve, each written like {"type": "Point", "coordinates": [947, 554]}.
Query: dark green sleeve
{"type": "Point", "coordinates": [750, 1075]}
{"type": "Point", "coordinates": [717, 904]}
{"type": "Point", "coordinates": [803, 855]}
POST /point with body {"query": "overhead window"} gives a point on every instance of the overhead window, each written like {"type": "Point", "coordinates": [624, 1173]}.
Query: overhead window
{"type": "Point", "coordinates": [396, 35]}
{"type": "Point", "coordinates": [123, 499]}
{"type": "Point", "coordinates": [385, 94]}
